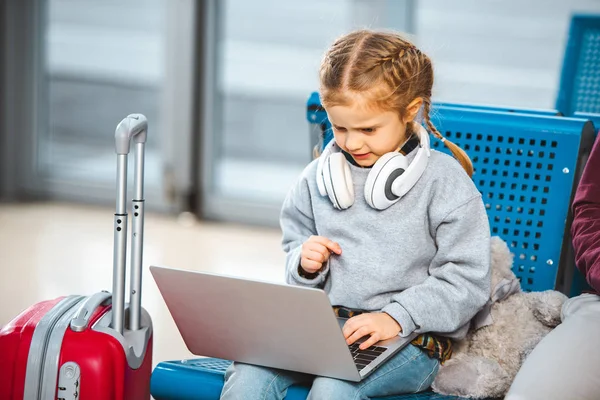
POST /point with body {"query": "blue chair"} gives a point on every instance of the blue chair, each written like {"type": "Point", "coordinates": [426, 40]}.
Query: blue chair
{"type": "Point", "coordinates": [320, 127]}
{"type": "Point", "coordinates": [526, 167]}
{"type": "Point", "coordinates": [486, 107]}
{"type": "Point", "coordinates": [592, 117]}
{"type": "Point", "coordinates": [579, 89]}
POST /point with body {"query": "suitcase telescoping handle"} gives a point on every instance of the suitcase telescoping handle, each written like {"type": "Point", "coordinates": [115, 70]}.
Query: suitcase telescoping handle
{"type": "Point", "coordinates": [134, 126]}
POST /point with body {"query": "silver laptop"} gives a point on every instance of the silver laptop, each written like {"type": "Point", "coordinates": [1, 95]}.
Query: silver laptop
{"type": "Point", "coordinates": [275, 325]}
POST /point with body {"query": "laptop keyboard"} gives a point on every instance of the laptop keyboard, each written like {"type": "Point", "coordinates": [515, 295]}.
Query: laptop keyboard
{"type": "Point", "coordinates": [362, 358]}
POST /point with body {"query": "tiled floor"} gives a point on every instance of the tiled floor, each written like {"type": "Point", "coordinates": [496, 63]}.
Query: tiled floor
{"type": "Point", "coordinates": [49, 250]}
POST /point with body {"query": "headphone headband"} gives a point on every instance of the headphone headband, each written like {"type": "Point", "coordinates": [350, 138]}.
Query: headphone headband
{"type": "Point", "coordinates": [389, 179]}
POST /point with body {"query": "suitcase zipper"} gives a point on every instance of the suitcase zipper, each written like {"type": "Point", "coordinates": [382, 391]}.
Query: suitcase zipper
{"type": "Point", "coordinates": [54, 342]}
{"type": "Point", "coordinates": [39, 344]}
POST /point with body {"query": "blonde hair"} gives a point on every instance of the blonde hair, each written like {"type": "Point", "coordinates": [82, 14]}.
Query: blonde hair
{"type": "Point", "coordinates": [388, 69]}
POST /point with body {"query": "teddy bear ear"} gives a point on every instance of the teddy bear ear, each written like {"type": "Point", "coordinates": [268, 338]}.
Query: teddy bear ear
{"type": "Point", "coordinates": [496, 241]}
{"type": "Point", "coordinates": [500, 252]}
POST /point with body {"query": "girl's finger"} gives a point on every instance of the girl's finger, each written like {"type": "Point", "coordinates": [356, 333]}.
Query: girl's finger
{"type": "Point", "coordinates": [329, 244]}
{"type": "Point", "coordinates": [350, 326]}
{"type": "Point", "coordinates": [315, 256]}
{"type": "Point", "coordinates": [310, 266]}
{"type": "Point", "coordinates": [358, 334]}
{"type": "Point", "coordinates": [319, 248]}
{"type": "Point", "coordinates": [370, 342]}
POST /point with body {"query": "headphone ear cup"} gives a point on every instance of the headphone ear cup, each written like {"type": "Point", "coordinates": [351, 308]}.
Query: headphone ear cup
{"type": "Point", "coordinates": [338, 181]}
{"type": "Point", "coordinates": [322, 160]}
{"type": "Point", "coordinates": [378, 187]}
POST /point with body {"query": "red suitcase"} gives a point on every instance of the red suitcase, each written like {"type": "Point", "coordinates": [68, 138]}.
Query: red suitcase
{"type": "Point", "coordinates": [95, 347]}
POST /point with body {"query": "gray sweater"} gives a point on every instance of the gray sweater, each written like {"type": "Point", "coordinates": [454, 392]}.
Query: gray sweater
{"type": "Point", "coordinates": [425, 260]}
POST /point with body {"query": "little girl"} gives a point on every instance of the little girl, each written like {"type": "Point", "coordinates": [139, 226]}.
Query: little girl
{"type": "Point", "coordinates": [395, 233]}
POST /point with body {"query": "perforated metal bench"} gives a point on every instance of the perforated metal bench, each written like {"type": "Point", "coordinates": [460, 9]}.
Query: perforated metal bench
{"type": "Point", "coordinates": [527, 165]}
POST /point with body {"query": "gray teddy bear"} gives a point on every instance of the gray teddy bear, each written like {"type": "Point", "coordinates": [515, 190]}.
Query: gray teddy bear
{"type": "Point", "coordinates": [501, 336]}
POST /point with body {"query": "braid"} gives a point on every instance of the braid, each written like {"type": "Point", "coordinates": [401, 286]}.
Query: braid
{"type": "Point", "coordinates": [458, 153]}
{"type": "Point", "coordinates": [394, 57]}
{"type": "Point", "coordinates": [402, 68]}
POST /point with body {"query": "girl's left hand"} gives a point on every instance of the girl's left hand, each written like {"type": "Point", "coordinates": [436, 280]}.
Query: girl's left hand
{"type": "Point", "coordinates": [379, 325]}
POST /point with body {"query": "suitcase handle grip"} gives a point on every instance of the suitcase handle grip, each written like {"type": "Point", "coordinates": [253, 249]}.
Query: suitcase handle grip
{"type": "Point", "coordinates": [80, 321]}
{"type": "Point", "coordinates": [133, 126]}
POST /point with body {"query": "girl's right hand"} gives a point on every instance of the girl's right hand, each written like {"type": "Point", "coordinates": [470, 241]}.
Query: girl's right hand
{"type": "Point", "coordinates": [315, 251]}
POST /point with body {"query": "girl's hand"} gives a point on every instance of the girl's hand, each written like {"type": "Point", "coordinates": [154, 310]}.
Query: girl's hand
{"type": "Point", "coordinates": [379, 325]}
{"type": "Point", "coordinates": [315, 251]}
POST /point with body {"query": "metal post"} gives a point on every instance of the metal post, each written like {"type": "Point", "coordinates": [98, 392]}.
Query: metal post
{"type": "Point", "coordinates": [120, 246]}
{"type": "Point", "coordinates": [137, 241]}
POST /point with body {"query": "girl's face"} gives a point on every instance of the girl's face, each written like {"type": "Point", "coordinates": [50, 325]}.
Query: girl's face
{"type": "Point", "coordinates": [365, 132]}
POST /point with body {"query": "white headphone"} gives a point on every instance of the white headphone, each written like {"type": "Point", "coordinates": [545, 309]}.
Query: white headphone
{"type": "Point", "coordinates": [389, 179]}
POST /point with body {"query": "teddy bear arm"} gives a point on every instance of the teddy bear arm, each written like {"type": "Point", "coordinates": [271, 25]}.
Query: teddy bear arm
{"type": "Point", "coordinates": [547, 306]}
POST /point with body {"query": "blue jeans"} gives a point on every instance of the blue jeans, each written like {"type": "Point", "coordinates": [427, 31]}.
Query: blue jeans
{"type": "Point", "coordinates": [409, 371]}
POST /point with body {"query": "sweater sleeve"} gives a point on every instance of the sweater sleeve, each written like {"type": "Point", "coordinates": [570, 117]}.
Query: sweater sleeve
{"type": "Point", "coordinates": [297, 225]}
{"type": "Point", "coordinates": [585, 228]}
{"type": "Point", "coordinates": [459, 275]}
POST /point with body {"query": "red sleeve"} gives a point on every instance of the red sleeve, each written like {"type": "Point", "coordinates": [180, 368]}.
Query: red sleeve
{"type": "Point", "coordinates": [586, 220]}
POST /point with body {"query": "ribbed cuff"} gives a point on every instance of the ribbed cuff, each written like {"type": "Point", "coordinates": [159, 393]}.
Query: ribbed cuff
{"type": "Point", "coordinates": [399, 313]}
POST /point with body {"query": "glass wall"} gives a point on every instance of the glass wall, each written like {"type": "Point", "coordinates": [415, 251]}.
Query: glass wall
{"type": "Point", "coordinates": [242, 98]}
{"type": "Point", "coordinates": [265, 57]}
{"type": "Point", "coordinates": [100, 61]}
